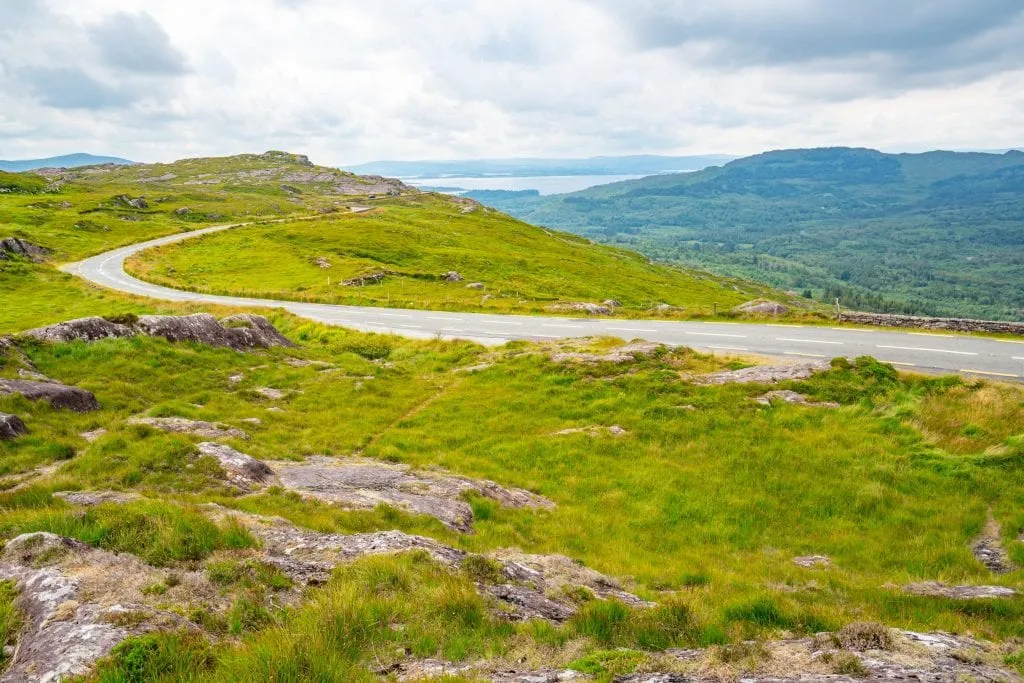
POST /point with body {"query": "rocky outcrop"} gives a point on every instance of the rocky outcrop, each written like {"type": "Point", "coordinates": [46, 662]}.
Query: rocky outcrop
{"type": "Point", "coordinates": [593, 431]}
{"type": "Point", "coordinates": [768, 374]}
{"type": "Point", "coordinates": [475, 285]}
{"type": "Point", "coordinates": [525, 586]}
{"type": "Point", "coordinates": [181, 425]}
{"type": "Point", "coordinates": [451, 276]}
{"type": "Point", "coordinates": [762, 307]}
{"type": "Point", "coordinates": [77, 604]}
{"type": "Point", "coordinates": [363, 483]}
{"type": "Point", "coordinates": [627, 353]}
{"type": "Point", "coordinates": [57, 395]}
{"type": "Point", "coordinates": [11, 427]}
{"type": "Point", "coordinates": [91, 498]}
{"type": "Point", "coordinates": [133, 202]}
{"type": "Point", "coordinates": [581, 307]}
{"type": "Point", "coordinates": [988, 548]}
{"type": "Point", "coordinates": [182, 211]}
{"type": "Point", "coordinates": [809, 561]}
{"type": "Point", "coordinates": [13, 246]}
{"type": "Point", "coordinates": [239, 332]}
{"type": "Point", "coordinates": [953, 324]}
{"type": "Point", "coordinates": [907, 656]}
{"type": "Point", "coordinates": [364, 280]}
{"type": "Point", "coordinates": [243, 471]}
{"type": "Point", "coordinates": [793, 398]}
{"type": "Point", "coordinates": [942, 590]}
{"type": "Point", "coordinates": [81, 329]}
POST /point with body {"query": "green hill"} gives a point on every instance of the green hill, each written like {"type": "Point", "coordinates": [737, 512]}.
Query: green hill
{"type": "Point", "coordinates": [937, 233]}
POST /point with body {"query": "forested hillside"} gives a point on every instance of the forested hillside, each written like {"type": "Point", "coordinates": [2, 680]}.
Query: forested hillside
{"type": "Point", "coordinates": [939, 233]}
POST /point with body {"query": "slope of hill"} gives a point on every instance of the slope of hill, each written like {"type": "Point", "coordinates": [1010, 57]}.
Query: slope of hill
{"type": "Point", "coordinates": [64, 161]}
{"type": "Point", "coordinates": [936, 233]}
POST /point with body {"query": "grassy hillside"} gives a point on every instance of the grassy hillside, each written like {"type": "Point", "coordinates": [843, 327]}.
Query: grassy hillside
{"type": "Point", "coordinates": [937, 233]}
{"type": "Point", "coordinates": [414, 241]}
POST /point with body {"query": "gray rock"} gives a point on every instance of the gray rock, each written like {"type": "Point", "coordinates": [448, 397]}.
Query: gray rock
{"type": "Point", "coordinates": [451, 276]}
{"type": "Point", "coordinates": [594, 430]}
{"type": "Point", "coordinates": [239, 332]}
{"type": "Point", "coordinates": [136, 203]}
{"type": "Point", "coordinates": [582, 307]}
{"type": "Point", "coordinates": [664, 308]}
{"type": "Point", "coordinates": [272, 394]}
{"type": "Point", "coordinates": [77, 604]}
{"type": "Point", "coordinates": [92, 435]}
{"type": "Point", "coordinates": [80, 329]}
{"type": "Point", "coordinates": [364, 280]}
{"type": "Point", "coordinates": [244, 471]}
{"type": "Point", "coordinates": [628, 353]}
{"type": "Point", "coordinates": [11, 427]}
{"type": "Point", "coordinates": [942, 590]}
{"type": "Point", "coordinates": [322, 262]}
{"type": "Point", "coordinates": [611, 303]}
{"type": "Point", "coordinates": [56, 394]}
{"type": "Point", "coordinates": [363, 483]}
{"type": "Point", "coordinates": [181, 425]}
{"type": "Point", "coordinates": [768, 374]}
{"type": "Point", "coordinates": [183, 211]}
{"type": "Point", "coordinates": [13, 246]}
{"type": "Point", "coordinates": [989, 550]}
{"type": "Point", "coordinates": [762, 307]}
{"type": "Point", "coordinates": [475, 285]}
{"type": "Point", "coordinates": [808, 561]}
{"type": "Point", "coordinates": [793, 398]}
{"type": "Point", "coordinates": [91, 498]}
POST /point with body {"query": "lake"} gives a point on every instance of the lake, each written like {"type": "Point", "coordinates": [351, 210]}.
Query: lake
{"type": "Point", "coordinates": [553, 184]}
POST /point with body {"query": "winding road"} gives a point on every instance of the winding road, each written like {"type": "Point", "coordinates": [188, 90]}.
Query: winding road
{"type": "Point", "coordinates": [921, 351]}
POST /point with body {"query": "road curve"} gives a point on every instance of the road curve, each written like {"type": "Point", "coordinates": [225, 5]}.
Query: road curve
{"type": "Point", "coordinates": [921, 351]}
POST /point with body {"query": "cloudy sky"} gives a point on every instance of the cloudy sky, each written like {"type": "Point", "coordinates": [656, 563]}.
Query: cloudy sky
{"type": "Point", "coordinates": [351, 81]}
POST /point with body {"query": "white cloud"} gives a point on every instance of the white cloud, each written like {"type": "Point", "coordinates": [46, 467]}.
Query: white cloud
{"type": "Point", "coordinates": [353, 81]}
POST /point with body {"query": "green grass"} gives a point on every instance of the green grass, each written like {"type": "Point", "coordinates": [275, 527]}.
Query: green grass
{"type": "Point", "coordinates": [415, 240]}
{"type": "Point", "coordinates": [10, 618]}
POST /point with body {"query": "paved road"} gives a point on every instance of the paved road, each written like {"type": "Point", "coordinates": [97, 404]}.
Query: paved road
{"type": "Point", "coordinates": [1003, 359]}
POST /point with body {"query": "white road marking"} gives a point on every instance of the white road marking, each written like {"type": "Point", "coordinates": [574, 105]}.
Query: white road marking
{"type": "Point", "coordinates": [1017, 357]}
{"type": "Point", "coordinates": [566, 327]}
{"type": "Point", "coordinates": [852, 329]}
{"type": "Point", "coordinates": [396, 315]}
{"type": "Point", "coordinates": [808, 341]}
{"type": "Point", "coordinates": [411, 327]}
{"type": "Point", "coordinates": [797, 353]}
{"type": "Point", "coordinates": [546, 336]}
{"type": "Point", "coordinates": [918, 348]}
{"type": "Point", "coordinates": [501, 322]}
{"type": "Point", "coordinates": [629, 329]}
{"type": "Point", "coordinates": [717, 334]}
{"type": "Point", "coordinates": [994, 374]}
{"type": "Point", "coordinates": [729, 348]}
{"type": "Point", "coordinates": [439, 317]}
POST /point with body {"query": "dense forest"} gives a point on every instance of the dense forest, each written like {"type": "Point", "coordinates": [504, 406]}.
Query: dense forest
{"type": "Point", "coordinates": [940, 233]}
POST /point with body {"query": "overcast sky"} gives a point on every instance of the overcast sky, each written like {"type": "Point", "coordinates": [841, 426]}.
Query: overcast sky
{"type": "Point", "coordinates": [345, 82]}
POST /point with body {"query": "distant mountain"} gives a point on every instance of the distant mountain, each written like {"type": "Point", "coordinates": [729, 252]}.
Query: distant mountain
{"type": "Point", "coordinates": [472, 168]}
{"type": "Point", "coordinates": [934, 233]}
{"type": "Point", "coordinates": [65, 161]}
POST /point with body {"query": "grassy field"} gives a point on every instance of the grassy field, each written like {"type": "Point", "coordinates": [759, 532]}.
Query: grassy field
{"type": "Point", "coordinates": [414, 241]}
{"type": "Point", "coordinates": [699, 508]}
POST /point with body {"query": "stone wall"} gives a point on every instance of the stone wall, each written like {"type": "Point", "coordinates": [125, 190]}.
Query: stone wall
{"type": "Point", "coordinates": [956, 324]}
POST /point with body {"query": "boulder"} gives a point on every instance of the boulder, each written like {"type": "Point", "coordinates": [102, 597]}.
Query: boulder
{"type": "Point", "coordinates": [451, 276]}
{"type": "Point", "coordinates": [322, 262]}
{"type": "Point", "coordinates": [581, 307]}
{"type": "Point", "coordinates": [363, 280]}
{"type": "Point", "coordinates": [627, 353]}
{"type": "Point", "coordinates": [181, 425]}
{"type": "Point", "coordinates": [243, 471]}
{"type": "Point", "coordinates": [11, 427]}
{"type": "Point", "coordinates": [56, 394]}
{"type": "Point", "coordinates": [183, 211]}
{"type": "Point", "coordinates": [13, 246]}
{"type": "Point", "coordinates": [475, 285]}
{"type": "Point", "coordinates": [762, 307]}
{"type": "Point", "coordinates": [80, 329]}
{"type": "Point", "coordinates": [239, 332]}
{"type": "Point", "coordinates": [942, 590]}
{"type": "Point", "coordinates": [136, 203]}
{"type": "Point", "coordinates": [611, 303]}
{"type": "Point", "coordinates": [91, 498]}
{"type": "Point", "coordinates": [808, 561]}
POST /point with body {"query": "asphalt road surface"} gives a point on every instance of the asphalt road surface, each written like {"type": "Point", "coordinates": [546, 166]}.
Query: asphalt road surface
{"type": "Point", "coordinates": [921, 351]}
